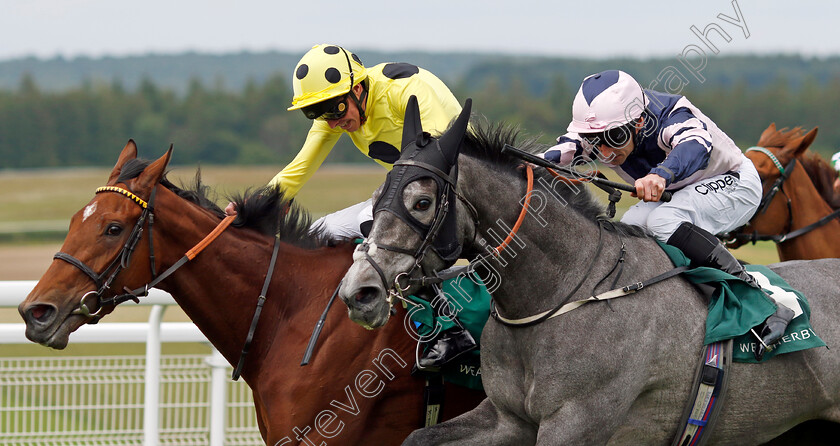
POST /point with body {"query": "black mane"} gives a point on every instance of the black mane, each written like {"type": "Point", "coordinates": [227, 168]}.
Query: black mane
{"type": "Point", "coordinates": [485, 141]}
{"type": "Point", "coordinates": [263, 209]}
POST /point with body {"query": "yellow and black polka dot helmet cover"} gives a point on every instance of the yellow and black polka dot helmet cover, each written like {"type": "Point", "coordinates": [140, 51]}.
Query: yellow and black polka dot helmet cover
{"type": "Point", "coordinates": [325, 71]}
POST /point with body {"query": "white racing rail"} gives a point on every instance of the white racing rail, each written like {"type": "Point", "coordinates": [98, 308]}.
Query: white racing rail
{"type": "Point", "coordinates": [59, 400]}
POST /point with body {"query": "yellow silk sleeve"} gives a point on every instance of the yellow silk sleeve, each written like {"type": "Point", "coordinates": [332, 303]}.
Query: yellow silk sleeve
{"type": "Point", "coordinates": [319, 142]}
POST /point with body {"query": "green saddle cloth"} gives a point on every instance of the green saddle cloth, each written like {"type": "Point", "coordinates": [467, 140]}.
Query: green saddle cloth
{"type": "Point", "coordinates": [736, 307]}
{"type": "Point", "coordinates": [470, 301]}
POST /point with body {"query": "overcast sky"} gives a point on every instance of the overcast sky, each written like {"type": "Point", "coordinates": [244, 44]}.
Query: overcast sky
{"type": "Point", "coordinates": [70, 28]}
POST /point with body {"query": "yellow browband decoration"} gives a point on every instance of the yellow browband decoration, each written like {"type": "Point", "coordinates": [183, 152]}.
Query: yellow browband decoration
{"type": "Point", "coordinates": [122, 191]}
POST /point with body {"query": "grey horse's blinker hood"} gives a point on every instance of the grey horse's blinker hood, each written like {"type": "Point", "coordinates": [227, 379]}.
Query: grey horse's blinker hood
{"type": "Point", "coordinates": [425, 157]}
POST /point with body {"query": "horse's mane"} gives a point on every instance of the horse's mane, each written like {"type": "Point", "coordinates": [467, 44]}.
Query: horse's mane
{"type": "Point", "coordinates": [265, 210]}
{"type": "Point", "coordinates": [818, 169]}
{"type": "Point", "coordinates": [484, 141]}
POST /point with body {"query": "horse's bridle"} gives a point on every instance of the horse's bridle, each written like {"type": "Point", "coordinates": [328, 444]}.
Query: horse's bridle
{"type": "Point", "coordinates": [398, 288]}
{"type": "Point", "coordinates": [123, 257]}
{"type": "Point", "coordinates": [119, 262]}
{"type": "Point", "coordinates": [778, 186]}
{"type": "Point", "coordinates": [404, 280]}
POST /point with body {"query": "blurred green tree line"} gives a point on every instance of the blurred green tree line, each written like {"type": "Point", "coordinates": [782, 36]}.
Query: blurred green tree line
{"type": "Point", "coordinates": [208, 123]}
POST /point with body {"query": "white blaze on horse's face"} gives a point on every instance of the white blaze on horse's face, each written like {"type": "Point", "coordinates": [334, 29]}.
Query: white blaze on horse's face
{"type": "Point", "coordinates": [420, 199]}
{"type": "Point", "coordinates": [89, 210]}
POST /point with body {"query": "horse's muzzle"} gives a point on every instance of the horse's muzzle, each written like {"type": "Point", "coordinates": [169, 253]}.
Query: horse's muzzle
{"type": "Point", "coordinates": [367, 295]}
{"type": "Point", "coordinates": [366, 305]}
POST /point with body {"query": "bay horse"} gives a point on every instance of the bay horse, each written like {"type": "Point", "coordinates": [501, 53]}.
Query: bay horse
{"type": "Point", "coordinates": [799, 210]}
{"type": "Point", "coordinates": [616, 372]}
{"type": "Point", "coordinates": [357, 390]}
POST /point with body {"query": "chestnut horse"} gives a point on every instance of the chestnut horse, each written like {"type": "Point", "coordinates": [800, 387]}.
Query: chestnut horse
{"type": "Point", "coordinates": [799, 209]}
{"type": "Point", "coordinates": [358, 390]}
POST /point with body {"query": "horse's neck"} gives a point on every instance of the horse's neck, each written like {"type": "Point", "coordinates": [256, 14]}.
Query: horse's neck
{"type": "Point", "coordinates": [807, 206]}
{"type": "Point", "coordinates": [220, 288]}
{"type": "Point", "coordinates": [555, 248]}
{"type": "Point", "coordinates": [805, 196]}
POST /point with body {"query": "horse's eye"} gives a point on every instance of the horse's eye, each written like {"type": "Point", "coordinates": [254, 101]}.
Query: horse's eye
{"type": "Point", "coordinates": [113, 229]}
{"type": "Point", "coordinates": [423, 204]}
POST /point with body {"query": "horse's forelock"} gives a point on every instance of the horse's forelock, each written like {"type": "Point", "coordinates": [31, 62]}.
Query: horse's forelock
{"type": "Point", "coordinates": [132, 169]}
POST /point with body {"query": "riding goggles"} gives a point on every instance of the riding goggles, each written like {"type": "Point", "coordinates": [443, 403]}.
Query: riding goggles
{"type": "Point", "coordinates": [327, 110]}
{"type": "Point", "coordinates": [614, 138]}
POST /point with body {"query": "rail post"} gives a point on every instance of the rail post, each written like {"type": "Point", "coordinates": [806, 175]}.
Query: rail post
{"type": "Point", "coordinates": [151, 402]}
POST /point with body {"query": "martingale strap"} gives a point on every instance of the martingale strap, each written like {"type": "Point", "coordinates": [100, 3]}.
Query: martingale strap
{"type": "Point", "coordinates": [709, 388]}
{"type": "Point", "coordinates": [612, 294]}
{"type": "Point", "coordinates": [316, 332]}
{"type": "Point", "coordinates": [237, 372]}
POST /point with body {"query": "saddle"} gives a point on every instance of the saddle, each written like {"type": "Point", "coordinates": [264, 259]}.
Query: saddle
{"type": "Point", "coordinates": [735, 308]}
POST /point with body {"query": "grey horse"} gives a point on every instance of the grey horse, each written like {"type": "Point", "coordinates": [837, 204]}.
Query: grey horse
{"type": "Point", "coordinates": [617, 373]}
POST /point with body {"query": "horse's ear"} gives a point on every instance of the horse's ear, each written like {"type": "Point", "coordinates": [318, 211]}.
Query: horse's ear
{"type": "Point", "coordinates": [411, 122]}
{"type": "Point", "coordinates": [152, 174]}
{"type": "Point", "coordinates": [450, 142]}
{"type": "Point", "coordinates": [806, 141]}
{"type": "Point", "coordinates": [767, 133]}
{"type": "Point", "coordinates": [129, 152]}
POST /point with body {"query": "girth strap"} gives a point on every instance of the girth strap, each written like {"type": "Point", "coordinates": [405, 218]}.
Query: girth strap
{"type": "Point", "coordinates": [433, 397]}
{"type": "Point", "coordinates": [708, 391]}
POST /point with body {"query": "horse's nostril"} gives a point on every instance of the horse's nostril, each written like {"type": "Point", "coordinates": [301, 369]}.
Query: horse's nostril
{"type": "Point", "coordinates": [41, 313]}
{"type": "Point", "coordinates": [366, 295]}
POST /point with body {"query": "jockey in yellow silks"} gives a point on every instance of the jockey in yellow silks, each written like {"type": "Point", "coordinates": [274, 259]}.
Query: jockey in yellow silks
{"type": "Point", "coordinates": [334, 89]}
